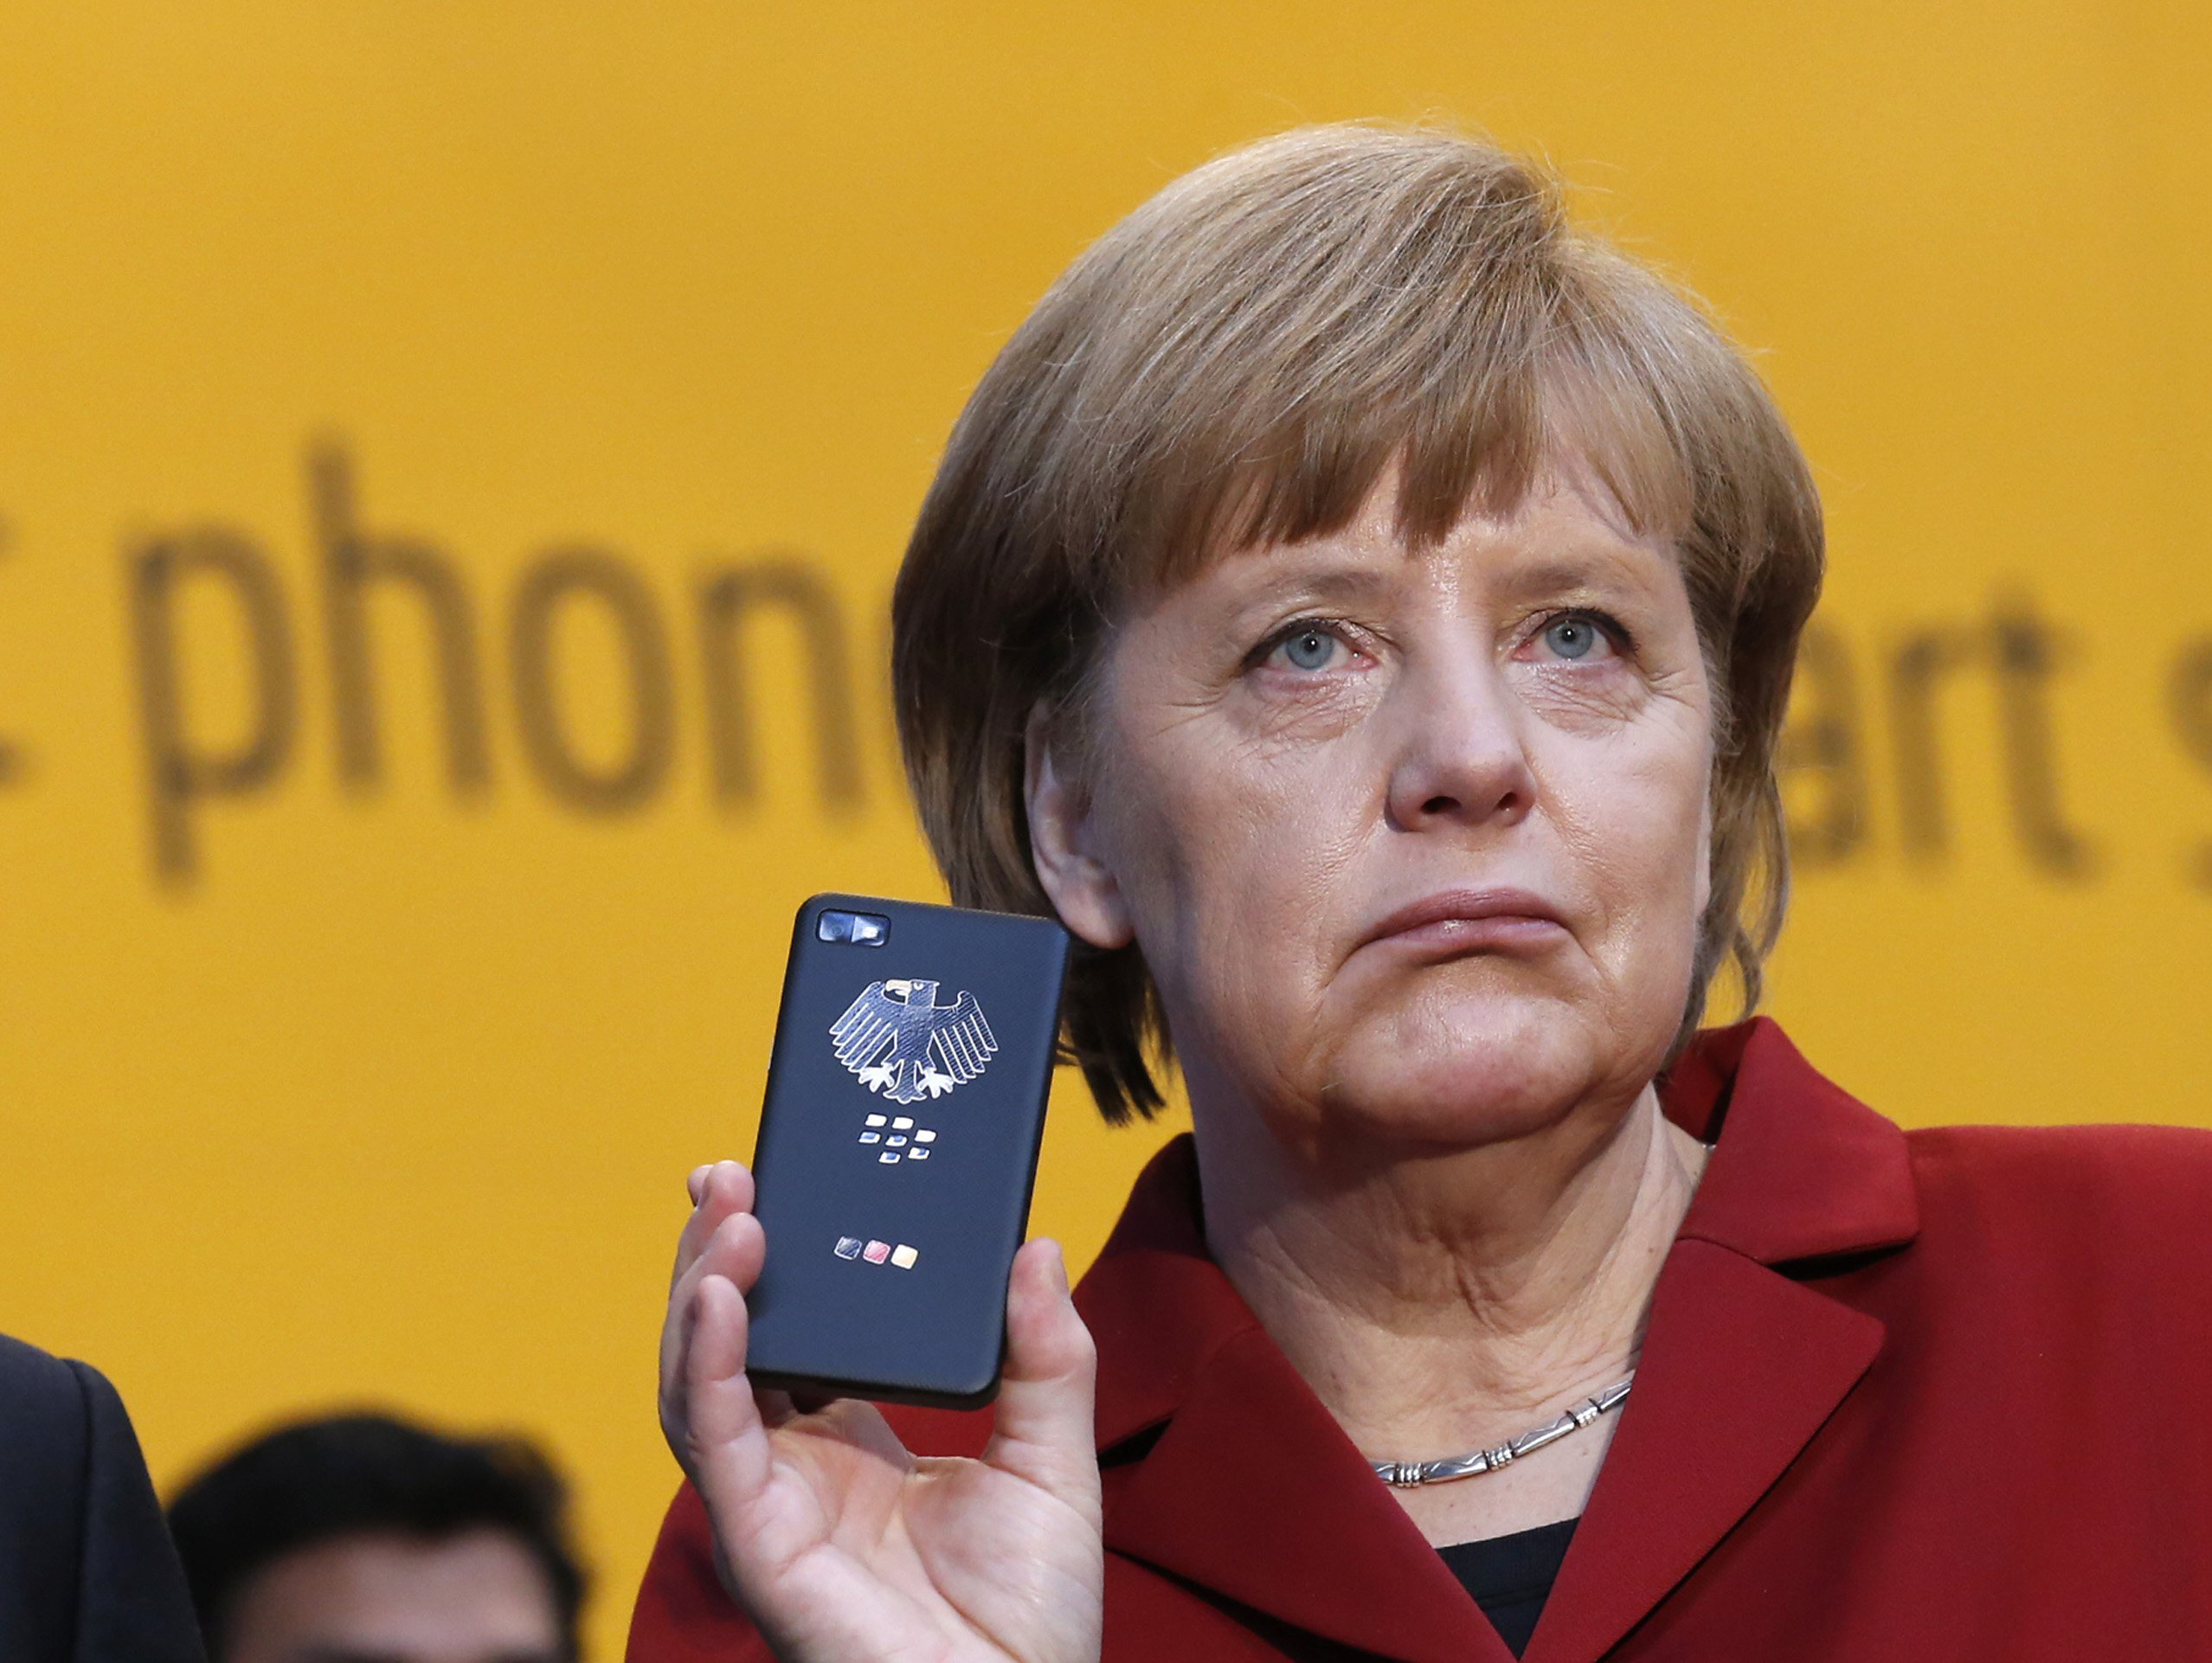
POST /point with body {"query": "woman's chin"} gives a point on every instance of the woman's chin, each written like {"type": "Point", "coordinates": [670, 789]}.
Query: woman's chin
{"type": "Point", "coordinates": [1496, 1070]}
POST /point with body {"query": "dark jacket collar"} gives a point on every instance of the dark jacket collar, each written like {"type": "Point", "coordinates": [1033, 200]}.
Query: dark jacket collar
{"type": "Point", "coordinates": [1248, 1487]}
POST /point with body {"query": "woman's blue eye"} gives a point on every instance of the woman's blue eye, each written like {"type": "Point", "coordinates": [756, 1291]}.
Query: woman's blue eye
{"type": "Point", "coordinates": [1309, 649]}
{"type": "Point", "coordinates": [1570, 637]}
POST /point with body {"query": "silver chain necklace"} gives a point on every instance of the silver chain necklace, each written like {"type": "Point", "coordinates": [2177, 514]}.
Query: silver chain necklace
{"type": "Point", "coordinates": [1407, 1473]}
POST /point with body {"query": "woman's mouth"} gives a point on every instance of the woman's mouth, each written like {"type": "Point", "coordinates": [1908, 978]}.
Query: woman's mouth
{"type": "Point", "coordinates": [1457, 922]}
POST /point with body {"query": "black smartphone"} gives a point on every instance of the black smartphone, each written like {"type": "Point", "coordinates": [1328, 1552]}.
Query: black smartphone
{"type": "Point", "coordinates": [898, 1146]}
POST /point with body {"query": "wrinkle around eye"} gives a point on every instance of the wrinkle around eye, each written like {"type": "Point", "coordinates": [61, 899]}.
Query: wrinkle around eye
{"type": "Point", "coordinates": [1307, 705]}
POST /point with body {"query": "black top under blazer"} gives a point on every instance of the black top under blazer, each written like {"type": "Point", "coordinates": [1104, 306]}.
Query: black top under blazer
{"type": "Point", "coordinates": [87, 1571]}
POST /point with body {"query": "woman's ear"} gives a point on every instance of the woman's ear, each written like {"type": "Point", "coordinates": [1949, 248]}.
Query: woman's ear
{"type": "Point", "coordinates": [1082, 890]}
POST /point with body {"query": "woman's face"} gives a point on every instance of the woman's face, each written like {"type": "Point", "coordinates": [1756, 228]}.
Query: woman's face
{"type": "Point", "coordinates": [1415, 843]}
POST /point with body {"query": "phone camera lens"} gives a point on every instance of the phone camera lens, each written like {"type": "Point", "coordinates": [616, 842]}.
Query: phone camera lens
{"type": "Point", "coordinates": [856, 928]}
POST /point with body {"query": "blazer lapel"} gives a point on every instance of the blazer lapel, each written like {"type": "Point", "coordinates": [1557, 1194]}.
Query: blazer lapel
{"type": "Point", "coordinates": [1740, 1368]}
{"type": "Point", "coordinates": [1252, 1491]}
{"type": "Point", "coordinates": [1248, 1488]}
{"type": "Point", "coordinates": [1743, 1361]}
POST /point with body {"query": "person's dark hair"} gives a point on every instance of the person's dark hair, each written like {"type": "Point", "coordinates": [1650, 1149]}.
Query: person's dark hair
{"type": "Point", "coordinates": [316, 1480]}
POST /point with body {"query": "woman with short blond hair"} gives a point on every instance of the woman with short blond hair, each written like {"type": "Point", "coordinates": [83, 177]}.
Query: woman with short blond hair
{"type": "Point", "coordinates": [1361, 605]}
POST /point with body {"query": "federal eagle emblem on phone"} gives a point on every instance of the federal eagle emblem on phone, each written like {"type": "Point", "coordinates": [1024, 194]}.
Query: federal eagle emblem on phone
{"type": "Point", "coordinates": [901, 1043]}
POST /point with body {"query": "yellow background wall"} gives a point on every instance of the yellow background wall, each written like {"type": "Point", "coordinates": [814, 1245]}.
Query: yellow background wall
{"type": "Point", "coordinates": [365, 1085]}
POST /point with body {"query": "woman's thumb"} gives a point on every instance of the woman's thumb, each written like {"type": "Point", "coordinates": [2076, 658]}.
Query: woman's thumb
{"type": "Point", "coordinates": [1044, 1430]}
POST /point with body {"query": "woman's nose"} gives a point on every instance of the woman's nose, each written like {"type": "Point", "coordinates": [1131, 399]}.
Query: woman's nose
{"type": "Point", "coordinates": [1462, 755]}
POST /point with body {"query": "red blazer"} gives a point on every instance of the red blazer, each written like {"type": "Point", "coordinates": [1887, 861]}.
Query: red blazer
{"type": "Point", "coordinates": [1942, 1394]}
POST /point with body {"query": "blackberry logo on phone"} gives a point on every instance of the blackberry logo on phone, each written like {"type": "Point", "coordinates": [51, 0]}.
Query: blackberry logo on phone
{"type": "Point", "coordinates": [899, 1137]}
{"type": "Point", "coordinates": [901, 1044]}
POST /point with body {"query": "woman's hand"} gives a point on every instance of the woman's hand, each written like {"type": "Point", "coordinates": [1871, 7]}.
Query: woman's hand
{"type": "Point", "coordinates": [841, 1546]}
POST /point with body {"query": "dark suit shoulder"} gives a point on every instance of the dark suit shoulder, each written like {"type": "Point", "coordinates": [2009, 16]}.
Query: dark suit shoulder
{"type": "Point", "coordinates": [45, 1461]}
{"type": "Point", "coordinates": [26, 1370]}
{"type": "Point", "coordinates": [43, 1424]}
{"type": "Point", "coordinates": [87, 1571]}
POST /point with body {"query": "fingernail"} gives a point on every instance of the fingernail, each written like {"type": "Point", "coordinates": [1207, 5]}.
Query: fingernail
{"type": "Point", "coordinates": [697, 1183]}
{"type": "Point", "coordinates": [1059, 1267]}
